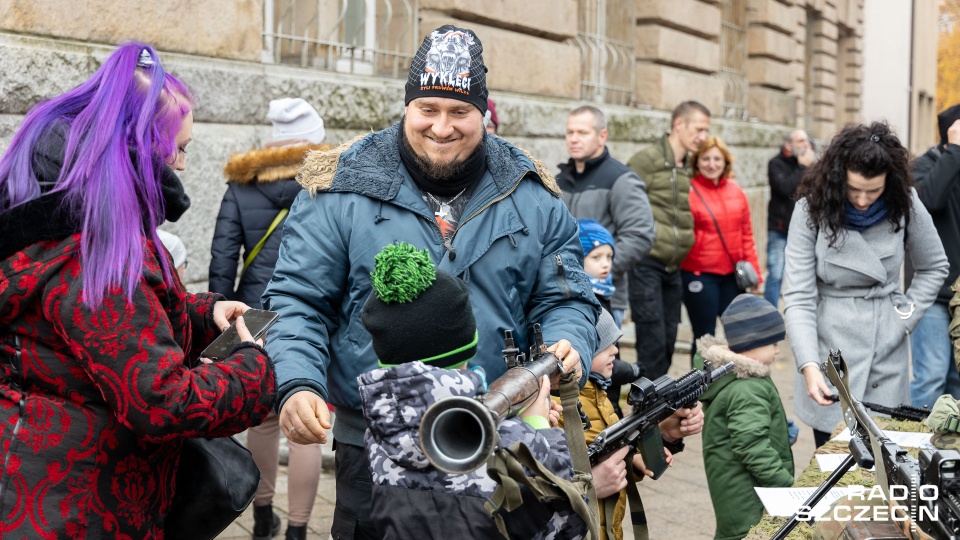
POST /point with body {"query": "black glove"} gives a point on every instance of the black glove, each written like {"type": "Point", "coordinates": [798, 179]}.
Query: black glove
{"type": "Point", "coordinates": [625, 372]}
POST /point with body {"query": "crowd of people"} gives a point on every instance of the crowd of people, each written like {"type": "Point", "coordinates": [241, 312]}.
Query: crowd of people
{"type": "Point", "coordinates": [396, 261]}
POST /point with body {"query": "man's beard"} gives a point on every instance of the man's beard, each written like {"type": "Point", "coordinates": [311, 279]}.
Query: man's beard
{"type": "Point", "coordinates": [442, 173]}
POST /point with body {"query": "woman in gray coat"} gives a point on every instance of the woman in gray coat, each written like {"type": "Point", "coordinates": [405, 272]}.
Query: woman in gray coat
{"type": "Point", "coordinates": [858, 215]}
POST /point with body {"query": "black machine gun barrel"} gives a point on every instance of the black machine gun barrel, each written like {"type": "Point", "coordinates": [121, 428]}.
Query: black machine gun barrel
{"type": "Point", "coordinates": [900, 412]}
{"type": "Point", "coordinates": [458, 434]}
{"type": "Point", "coordinates": [653, 402]}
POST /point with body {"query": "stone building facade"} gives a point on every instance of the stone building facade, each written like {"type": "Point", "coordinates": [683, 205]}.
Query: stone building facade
{"type": "Point", "coordinates": [761, 66]}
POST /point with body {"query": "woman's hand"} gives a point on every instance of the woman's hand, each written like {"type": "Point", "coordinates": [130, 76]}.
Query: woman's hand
{"type": "Point", "coordinates": [817, 388]}
{"type": "Point", "coordinates": [227, 311]}
{"type": "Point", "coordinates": [245, 334]}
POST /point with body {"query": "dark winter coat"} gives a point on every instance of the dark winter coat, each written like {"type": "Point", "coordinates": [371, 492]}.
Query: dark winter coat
{"type": "Point", "coordinates": [412, 499]}
{"type": "Point", "coordinates": [96, 416]}
{"type": "Point", "coordinates": [668, 189]}
{"type": "Point", "coordinates": [609, 192]}
{"type": "Point", "coordinates": [517, 248]}
{"type": "Point", "coordinates": [937, 173]}
{"type": "Point", "coordinates": [260, 183]}
{"type": "Point", "coordinates": [784, 174]}
{"type": "Point", "coordinates": [745, 441]}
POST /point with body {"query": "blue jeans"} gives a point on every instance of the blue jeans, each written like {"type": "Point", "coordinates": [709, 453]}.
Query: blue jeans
{"type": "Point", "coordinates": [618, 317]}
{"type": "Point", "coordinates": [934, 372]}
{"type": "Point", "coordinates": [776, 245]}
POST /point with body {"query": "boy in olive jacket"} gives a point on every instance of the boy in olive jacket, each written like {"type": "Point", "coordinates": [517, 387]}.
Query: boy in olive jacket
{"type": "Point", "coordinates": [745, 439]}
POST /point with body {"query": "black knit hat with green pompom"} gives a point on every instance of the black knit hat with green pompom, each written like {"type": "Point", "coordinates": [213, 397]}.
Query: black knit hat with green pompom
{"type": "Point", "coordinates": [417, 312]}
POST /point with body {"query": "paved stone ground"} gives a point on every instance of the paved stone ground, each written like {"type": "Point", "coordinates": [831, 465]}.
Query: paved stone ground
{"type": "Point", "coordinates": [677, 505]}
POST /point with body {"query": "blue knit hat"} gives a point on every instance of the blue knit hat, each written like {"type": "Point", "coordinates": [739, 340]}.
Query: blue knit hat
{"type": "Point", "coordinates": [593, 235]}
{"type": "Point", "coordinates": [750, 322]}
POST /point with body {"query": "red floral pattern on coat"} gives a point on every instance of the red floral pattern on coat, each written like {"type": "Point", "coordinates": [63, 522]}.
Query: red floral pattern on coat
{"type": "Point", "coordinates": [109, 396]}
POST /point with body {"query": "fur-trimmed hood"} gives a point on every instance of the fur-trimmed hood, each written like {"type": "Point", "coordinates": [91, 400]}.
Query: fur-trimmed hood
{"type": "Point", "coordinates": [268, 164]}
{"type": "Point", "coordinates": [718, 352]}
{"type": "Point", "coordinates": [321, 170]}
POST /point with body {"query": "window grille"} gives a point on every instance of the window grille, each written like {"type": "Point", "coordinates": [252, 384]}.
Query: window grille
{"type": "Point", "coordinates": [606, 51]}
{"type": "Point", "coordinates": [364, 37]}
{"type": "Point", "coordinates": [733, 65]}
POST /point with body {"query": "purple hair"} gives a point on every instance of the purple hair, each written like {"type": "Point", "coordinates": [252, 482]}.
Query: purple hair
{"type": "Point", "coordinates": [122, 125]}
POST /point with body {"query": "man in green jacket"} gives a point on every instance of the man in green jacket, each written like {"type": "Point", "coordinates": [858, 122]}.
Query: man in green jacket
{"type": "Point", "coordinates": [654, 286]}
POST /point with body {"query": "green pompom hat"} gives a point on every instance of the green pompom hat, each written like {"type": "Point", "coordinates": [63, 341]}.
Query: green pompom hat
{"type": "Point", "coordinates": [417, 312]}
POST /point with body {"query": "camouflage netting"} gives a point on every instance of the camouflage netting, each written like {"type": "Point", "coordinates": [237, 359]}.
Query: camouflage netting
{"type": "Point", "coordinates": [813, 477]}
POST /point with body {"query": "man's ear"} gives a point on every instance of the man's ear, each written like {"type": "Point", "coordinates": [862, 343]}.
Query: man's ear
{"type": "Point", "coordinates": [787, 150]}
{"type": "Point", "coordinates": [603, 136]}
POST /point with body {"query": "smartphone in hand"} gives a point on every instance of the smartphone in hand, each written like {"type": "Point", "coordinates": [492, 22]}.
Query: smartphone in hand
{"type": "Point", "coordinates": [257, 321]}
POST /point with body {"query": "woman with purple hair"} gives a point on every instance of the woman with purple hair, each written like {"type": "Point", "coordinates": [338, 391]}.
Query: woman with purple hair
{"type": "Point", "coordinates": [100, 376]}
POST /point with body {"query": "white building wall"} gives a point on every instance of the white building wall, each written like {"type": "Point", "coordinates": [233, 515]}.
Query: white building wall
{"type": "Point", "coordinates": [886, 58]}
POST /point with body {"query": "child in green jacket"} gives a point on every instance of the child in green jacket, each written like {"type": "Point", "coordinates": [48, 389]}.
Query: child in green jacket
{"type": "Point", "coordinates": [745, 441]}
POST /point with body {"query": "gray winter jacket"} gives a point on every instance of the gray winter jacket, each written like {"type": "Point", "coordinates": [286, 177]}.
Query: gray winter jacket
{"type": "Point", "coordinates": [609, 192]}
{"type": "Point", "coordinates": [848, 297]}
{"type": "Point", "coordinates": [412, 499]}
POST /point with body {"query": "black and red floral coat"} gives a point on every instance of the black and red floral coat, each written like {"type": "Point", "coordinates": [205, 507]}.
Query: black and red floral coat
{"type": "Point", "coordinates": [92, 426]}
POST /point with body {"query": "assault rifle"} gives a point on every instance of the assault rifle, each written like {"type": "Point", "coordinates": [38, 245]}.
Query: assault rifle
{"type": "Point", "coordinates": [653, 402]}
{"type": "Point", "coordinates": [923, 494]}
{"type": "Point", "coordinates": [900, 412]}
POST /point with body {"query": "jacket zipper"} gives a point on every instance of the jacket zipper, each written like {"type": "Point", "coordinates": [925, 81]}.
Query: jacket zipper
{"type": "Point", "coordinates": [561, 277]}
{"type": "Point", "coordinates": [489, 204]}
{"type": "Point", "coordinates": [676, 218]}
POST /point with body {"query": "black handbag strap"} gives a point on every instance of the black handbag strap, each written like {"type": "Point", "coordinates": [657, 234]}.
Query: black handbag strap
{"type": "Point", "coordinates": [717, 225]}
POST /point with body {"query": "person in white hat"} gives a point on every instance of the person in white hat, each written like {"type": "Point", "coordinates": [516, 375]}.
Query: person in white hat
{"type": "Point", "coordinates": [260, 189]}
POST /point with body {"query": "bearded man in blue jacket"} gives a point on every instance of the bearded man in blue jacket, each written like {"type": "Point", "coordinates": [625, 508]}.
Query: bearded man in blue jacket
{"type": "Point", "coordinates": [486, 211]}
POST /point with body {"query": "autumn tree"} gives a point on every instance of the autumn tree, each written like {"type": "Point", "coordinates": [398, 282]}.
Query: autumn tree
{"type": "Point", "coordinates": [948, 55]}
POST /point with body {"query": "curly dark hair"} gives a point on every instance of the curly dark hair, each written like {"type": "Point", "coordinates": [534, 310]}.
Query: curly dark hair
{"type": "Point", "coordinates": [866, 150]}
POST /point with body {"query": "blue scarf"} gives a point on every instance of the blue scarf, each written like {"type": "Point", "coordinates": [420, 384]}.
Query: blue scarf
{"type": "Point", "coordinates": [602, 382]}
{"type": "Point", "coordinates": [861, 220]}
{"type": "Point", "coordinates": [603, 287]}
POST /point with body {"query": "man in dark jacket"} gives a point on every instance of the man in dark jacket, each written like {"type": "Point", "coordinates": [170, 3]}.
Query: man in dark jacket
{"type": "Point", "coordinates": [783, 173]}
{"type": "Point", "coordinates": [260, 189]}
{"type": "Point", "coordinates": [655, 289]}
{"type": "Point", "coordinates": [484, 210]}
{"type": "Point", "coordinates": [597, 186]}
{"type": "Point", "coordinates": [937, 173]}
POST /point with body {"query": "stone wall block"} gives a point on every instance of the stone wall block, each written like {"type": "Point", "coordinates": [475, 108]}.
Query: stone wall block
{"type": "Point", "coordinates": [688, 16]}
{"type": "Point", "coordinates": [772, 105]}
{"type": "Point", "coordinates": [774, 15]}
{"type": "Point", "coordinates": [827, 29]}
{"type": "Point", "coordinates": [770, 73]}
{"type": "Point", "coordinates": [663, 87]}
{"type": "Point", "coordinates": [824, 62]}
{"type": "Point", "coordinates": [176, 25]}
{"type": "Point", "coordinates": [515, 56]}
{"type": "Point", "coordinates": [555, 20]}
{"type": "Point", "coordinates": [825, 45]}
{"type": "Point", "coordinates": [31, 75]}
{"type": "Point", "coordinates": [824, 79]}
{"type": "Point", "coordinates": [770, 43]}
{"type": "Point", "coordinates": [672, 47]}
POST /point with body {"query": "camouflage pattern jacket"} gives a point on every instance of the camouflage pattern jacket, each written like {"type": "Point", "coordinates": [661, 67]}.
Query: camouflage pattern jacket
{"type": "Point", "coordinates": [412, 499]}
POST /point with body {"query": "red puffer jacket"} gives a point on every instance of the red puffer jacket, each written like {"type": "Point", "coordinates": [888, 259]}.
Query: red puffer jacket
{"type": "Point", "coordinates": [729, 205]}
{"type": "Point", "coordinates": [95, 413]}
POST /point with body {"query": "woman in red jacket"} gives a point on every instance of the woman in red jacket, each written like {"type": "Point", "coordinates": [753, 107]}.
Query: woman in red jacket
{"type": "Point", "coordinates": [723, 235]}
